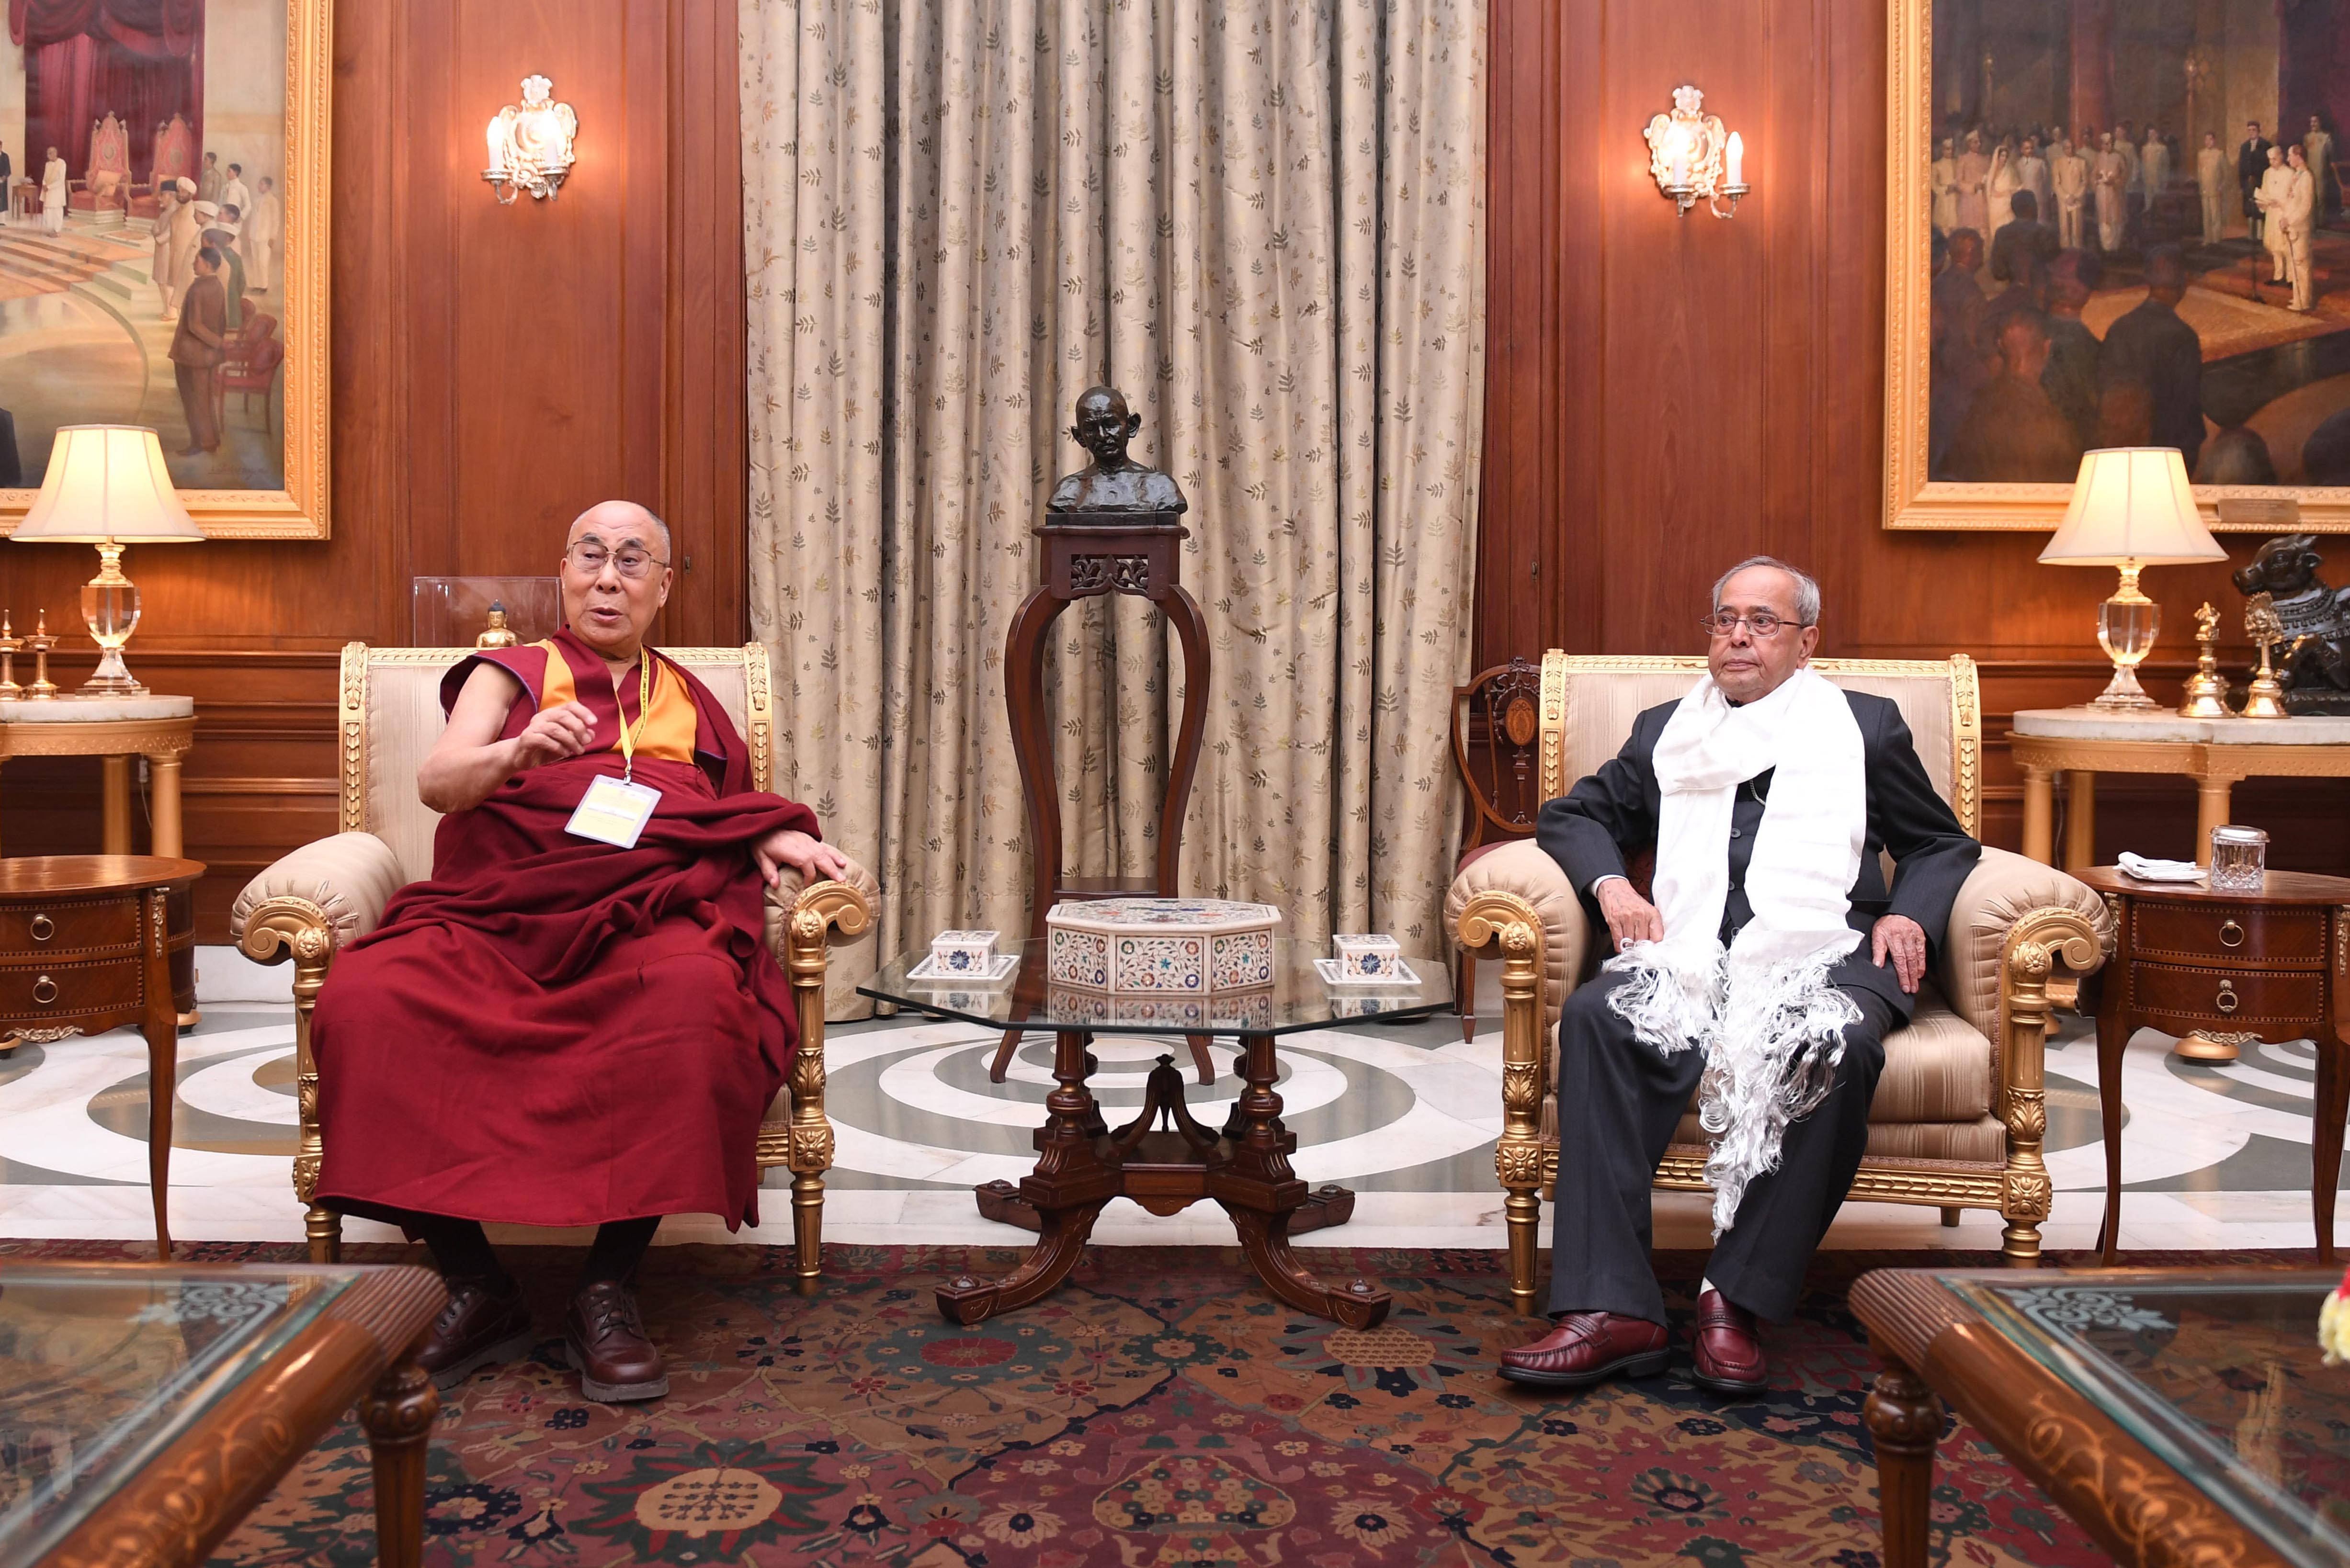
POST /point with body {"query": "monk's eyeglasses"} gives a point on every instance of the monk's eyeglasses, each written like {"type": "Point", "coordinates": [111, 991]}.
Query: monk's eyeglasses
{"type": "Point", "coordinates": [1761, 623]}
{"type": "Point", "coordinates": [588, 557]}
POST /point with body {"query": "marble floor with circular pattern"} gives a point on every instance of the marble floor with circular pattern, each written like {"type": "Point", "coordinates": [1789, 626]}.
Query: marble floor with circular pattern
{"type": "Point", "coordinates": [1406, 1115]}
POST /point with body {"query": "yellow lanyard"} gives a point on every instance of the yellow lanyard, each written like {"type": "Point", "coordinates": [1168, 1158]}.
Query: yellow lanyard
{"type": "Point", "coordinates": [644, 711]}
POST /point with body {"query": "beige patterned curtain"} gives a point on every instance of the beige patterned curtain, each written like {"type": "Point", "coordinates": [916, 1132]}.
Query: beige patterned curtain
{"type": "Point", "coordinates": [1265, 220]}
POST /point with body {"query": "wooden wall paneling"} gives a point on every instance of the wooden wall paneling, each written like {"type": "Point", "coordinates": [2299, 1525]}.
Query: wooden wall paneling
{"type": "Point", "coordinates": [1530, 588]}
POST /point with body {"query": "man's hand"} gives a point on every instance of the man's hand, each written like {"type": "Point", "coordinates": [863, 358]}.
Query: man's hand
{"type": "Point", "coordinates": [554, 733]}
{"type": "Point", "coordinates": [789, 846]}
{"type": "Point", "coordinates": [1630, 918]}
{"type": "Point", "coordinates": [1906, 940]}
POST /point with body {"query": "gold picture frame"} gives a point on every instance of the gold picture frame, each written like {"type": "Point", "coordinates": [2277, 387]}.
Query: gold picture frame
{"type": "Point", "coordinates": [300, 510]}
{"type": "Point", "coordinates": [1912, 499]}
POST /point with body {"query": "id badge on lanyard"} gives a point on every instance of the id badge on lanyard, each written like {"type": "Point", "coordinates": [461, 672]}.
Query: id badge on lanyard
{"type": "Point", "coordinates": [615, 810]}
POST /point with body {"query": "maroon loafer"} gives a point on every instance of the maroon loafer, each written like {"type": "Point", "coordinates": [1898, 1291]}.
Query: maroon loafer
{"type": "Point", "coordinates": [1589, 1347]}
{"type": "Point", "coordinates": [1727, 1347]}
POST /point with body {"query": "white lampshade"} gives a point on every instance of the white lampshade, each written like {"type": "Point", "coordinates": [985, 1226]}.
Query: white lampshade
{"type": "Point", "coordinates": [2132, 506]}
{"type": "Point", "coordinates": [107, 483]}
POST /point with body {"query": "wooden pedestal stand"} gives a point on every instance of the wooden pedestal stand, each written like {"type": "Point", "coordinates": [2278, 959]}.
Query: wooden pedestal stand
{"type": "Point", "coordinates": [1086, 557]}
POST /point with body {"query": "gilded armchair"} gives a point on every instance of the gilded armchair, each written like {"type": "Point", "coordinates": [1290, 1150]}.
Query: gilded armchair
{"type": "Point", "coordinates": [1961, 1111]}
{"type": "Point", "coordinates": [333, 890]}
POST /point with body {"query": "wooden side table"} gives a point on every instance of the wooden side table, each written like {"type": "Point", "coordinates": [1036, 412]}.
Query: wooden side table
{"type": "Point", "coordinates": [85, 946]}
{"type": "Point", "coordinates": [115, 729]}
{"type": "Point", "coordinates": [2233, 968]}
{"type": "Point", "coordinates": [2217, 754]}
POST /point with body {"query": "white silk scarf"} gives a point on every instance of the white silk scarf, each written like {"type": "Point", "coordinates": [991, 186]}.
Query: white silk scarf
{"type": "Point", "coordinates": [1770, 1025]}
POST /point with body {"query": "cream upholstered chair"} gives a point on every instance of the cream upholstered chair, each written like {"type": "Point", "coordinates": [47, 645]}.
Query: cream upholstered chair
{"type": "Point", "coordinates": [1959, 1111]}
{"type": "Point", "coordinates": [329, 892]}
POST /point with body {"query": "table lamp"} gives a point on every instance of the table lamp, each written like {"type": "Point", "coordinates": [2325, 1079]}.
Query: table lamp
{"type": "Point", "coordinates": [2132, 508]}
{"type": "Point", "coordinates": [106, 486]}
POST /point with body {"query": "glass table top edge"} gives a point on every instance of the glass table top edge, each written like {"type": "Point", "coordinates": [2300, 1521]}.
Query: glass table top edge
{"type": "Point", "coordinates": [1004, 1005]}
{"type": "Point", "coordinates": [2286, 1523]}
{"type": "Point", "coordinates": [101, 1467]}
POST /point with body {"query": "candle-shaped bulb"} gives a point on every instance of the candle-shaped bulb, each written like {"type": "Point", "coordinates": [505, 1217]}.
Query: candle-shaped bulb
{"type": "Point", "coordinates": [497, 164]}
{"type": "Point", "coordinates": [1734, 161]}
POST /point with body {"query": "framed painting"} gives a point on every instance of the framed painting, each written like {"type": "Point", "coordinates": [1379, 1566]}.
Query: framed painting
{"type": "Point", "coordinates": [2117, 223]}
{"type": "Point", "coordinates": [163, 256]}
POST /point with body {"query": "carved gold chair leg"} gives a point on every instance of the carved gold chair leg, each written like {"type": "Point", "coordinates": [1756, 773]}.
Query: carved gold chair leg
{"type": "Point", "coordinates": [278, 929]}
{"type": "Point", "coordinates": [1509, 922]}
{"type": "Point", "coordinates": [822, 908]}
{"type": "Point", "coordinates": [2040, 941]}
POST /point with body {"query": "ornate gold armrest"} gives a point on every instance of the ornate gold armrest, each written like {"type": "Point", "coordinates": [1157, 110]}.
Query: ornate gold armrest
{"type": "Point", "coordinates": [2002, 888]}
{"type": "Point", "coordinates": [1492, 918]}
{"type": "Point", "coordinates": [2039, 944]}
{"type": "Point", "coordinates": [802, 925]}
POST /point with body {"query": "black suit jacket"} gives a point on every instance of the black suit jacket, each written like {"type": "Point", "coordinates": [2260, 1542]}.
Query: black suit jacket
{"type": "Point", "coordinates": [1614, 812]}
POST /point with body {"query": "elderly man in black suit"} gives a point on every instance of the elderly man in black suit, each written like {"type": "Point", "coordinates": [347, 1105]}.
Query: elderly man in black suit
{"type": "Point", "coordinates": [1773, 963]}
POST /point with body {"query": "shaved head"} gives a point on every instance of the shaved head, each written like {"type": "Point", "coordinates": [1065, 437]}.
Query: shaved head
{"type": "Point", "coordinates": [618, 522]}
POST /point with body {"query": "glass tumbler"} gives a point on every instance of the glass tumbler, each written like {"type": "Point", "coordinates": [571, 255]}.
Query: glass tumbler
{"type": "Point", "coordinates": [2239, 859]}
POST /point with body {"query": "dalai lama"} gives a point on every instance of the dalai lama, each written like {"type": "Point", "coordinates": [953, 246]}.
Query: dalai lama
{"type": "Point", "coordinates": [576, 1021]}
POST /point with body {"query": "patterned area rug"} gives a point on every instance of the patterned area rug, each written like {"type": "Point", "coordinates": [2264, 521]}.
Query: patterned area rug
{"type": "Point", "coordinates": [1160, 1409]}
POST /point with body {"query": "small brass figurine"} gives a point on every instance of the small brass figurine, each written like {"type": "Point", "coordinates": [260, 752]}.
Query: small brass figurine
{"type": "Point", "coordinates": [42, 689]}
{"type": "Point", "coordinates": [1113, 481]}
{"type": "Point", "coordinates": [496, 634]}
{"type": "Point", "coordinates": [9, 644]}
{"type": "Point", "coordinates": [2207, 689]}
{"type": "Point", "coordinates": [2265, 699]}
{"type": "Point", "coordinates": [2314, 621]}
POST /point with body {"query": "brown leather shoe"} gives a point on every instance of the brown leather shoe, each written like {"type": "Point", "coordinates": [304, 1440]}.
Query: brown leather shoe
{"type": "Point", "coordinates": [1587, 1347]}
{"type": "Point", "coordinates": [606, 1340]}
{"type": "Point", "coordinates": [1726, 1347]}
{"type": "Point", "coordinates": [484, 1322]}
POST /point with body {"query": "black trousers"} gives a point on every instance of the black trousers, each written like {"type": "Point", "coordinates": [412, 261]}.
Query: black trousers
{"type": "Point", "coordinates": [1619, 1100]}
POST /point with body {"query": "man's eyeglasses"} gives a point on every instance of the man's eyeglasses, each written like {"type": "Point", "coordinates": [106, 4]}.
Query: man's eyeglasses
{"type": "Point", "coordinates": [588, 557]}
{"type": "Point", "coordinates": [1761, 623]}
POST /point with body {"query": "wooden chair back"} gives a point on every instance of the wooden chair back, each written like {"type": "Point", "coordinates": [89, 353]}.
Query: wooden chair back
{"type": "Point", "coordinates": [1497, 740]}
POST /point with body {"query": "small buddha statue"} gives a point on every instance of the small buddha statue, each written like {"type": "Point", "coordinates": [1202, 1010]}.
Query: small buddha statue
{"type": "Point", "coordinates": [496, 634]}
{"type": "Point", "coordinates": [1113, 482]}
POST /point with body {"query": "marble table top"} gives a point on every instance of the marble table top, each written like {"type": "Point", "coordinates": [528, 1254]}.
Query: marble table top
{"type": "Point", "coordinates": [70, 709]}
{"type": "Point", "coordinates": [2162, 724]}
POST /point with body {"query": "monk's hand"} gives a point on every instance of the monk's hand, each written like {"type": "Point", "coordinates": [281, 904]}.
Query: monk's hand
{"type": "Point", "coordinates": [554, 733]}
{"type": "Point", "coordinates": [789, 848]}
{"type": "Point", "coordinates": [1904, 940]}
{"type": "Point", "coordinates": [1630, 918]}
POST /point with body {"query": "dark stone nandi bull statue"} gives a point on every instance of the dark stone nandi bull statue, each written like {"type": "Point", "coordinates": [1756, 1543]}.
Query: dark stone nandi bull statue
{"type": "Point", "coordinates": [2314, 669]}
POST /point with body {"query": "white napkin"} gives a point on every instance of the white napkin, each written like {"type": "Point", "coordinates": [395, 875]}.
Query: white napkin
{"type": "Point", "coordinates": [2146, 871]}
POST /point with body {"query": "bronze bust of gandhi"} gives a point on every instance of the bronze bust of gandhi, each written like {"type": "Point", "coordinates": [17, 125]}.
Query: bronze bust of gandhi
{"type": "Point", "coordinates": [1113, 482]}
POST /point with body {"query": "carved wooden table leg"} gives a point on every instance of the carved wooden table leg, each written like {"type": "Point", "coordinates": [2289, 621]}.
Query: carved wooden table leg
{"type": "Point", "coordinates": [1067, 1189]}
{"type": "Point", "coordinates": [1905, 1419]}
{"type": "Point", "coordinates": [1260, 1191]}
{"type": "Point", "coordinates": [398, 1415]}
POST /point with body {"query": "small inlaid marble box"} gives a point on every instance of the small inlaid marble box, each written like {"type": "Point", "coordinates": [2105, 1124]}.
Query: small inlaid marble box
{"type": "Point", "coordinates": [962, 952]}
{"type": "Point", "coordinates": [1366, 957]}
{"type": "Point", "coordinates": [1160, 946]}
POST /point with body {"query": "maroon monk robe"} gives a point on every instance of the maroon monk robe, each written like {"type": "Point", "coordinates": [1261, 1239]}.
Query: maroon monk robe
{"type": "Point", "coordinates": [553, 1031]}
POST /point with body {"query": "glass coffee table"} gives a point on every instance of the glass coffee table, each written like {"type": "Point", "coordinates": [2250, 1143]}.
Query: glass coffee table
{"type": "Point", "coordinates": [1164, 1160]}
{"type": "Point", "coordinates": [2179, 1416]}
{"type": "Point", "coordinates": [145, 1409]}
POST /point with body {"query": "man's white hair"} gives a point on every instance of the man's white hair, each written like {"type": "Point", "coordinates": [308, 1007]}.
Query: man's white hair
{"type": "Point", "coordinates": [1807, 592]}
{"type": "Point", "coordinates": [650, 514]}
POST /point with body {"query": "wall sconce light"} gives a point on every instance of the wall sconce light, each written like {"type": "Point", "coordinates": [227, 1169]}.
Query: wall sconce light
{"type": "Point", "coordinates": [530, 143]}
{"type": "Point", "coordinates": [1692, 159]}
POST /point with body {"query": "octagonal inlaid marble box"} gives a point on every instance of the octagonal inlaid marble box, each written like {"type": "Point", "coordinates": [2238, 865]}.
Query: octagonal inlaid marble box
{"type": "Point", "coordinates": [1160, 946]}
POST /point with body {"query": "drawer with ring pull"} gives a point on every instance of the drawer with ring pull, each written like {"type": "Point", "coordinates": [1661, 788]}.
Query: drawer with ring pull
{"type": "Point", "coordinates": [2229, 934]}
{"type": "Point", "coordinates": [31, 994]}
{"type": "Point", "coordinates": [69, 929]}
{"type": "Point", "coordinates": [2215, 995]}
